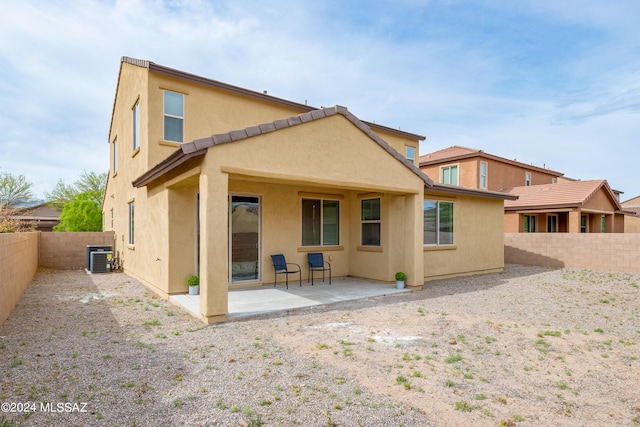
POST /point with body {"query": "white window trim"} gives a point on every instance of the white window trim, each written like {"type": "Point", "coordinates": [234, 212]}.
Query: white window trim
{"type": "Point", "coordinates": [486, 174]}
{"type": "Point", "coordinates": [527, 179]}
{"type": "Point", "coordinates": [132, 211]}
{"type": "Point", "coordinates": [322, 222]}
{"type": "Point", "coordinates": [442, 168]}
{"type": "Point", "coordinates": [406, 151]}
{"type": "Point", "coordinates": [371, 221]}
{"type": "Point", "coordinates": [164, 114]}
{"type": "Point", "coordinates": [114, 157]}
{"type": "Point", "coordinates": [535, 225]}
{"type": "Point", "coordinates": [552, 216]}
{"type": "Point", "coordinates": [453, 242]}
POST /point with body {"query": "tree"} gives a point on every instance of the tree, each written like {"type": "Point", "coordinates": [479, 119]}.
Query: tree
{"type": "Point", "coordinates": [81, 203]}
{"type": "Point", "coordinates": [82, 213]}
{"type": "Point", "coordinates": [90, 183]}
{"type": "Point", "coordinates": [14, 189]}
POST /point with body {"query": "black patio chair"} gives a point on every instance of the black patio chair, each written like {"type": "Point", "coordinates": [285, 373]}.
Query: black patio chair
{"type": "Point", "coordinates": [281, 266]}
{"type": "Point", "coordinates": [317, 263]}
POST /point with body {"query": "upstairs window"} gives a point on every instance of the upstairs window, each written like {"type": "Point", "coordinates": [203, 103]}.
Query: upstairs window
{"type": "Point", "coordinates": [320, 222]}
{"type": "Point", "coordinates": [483, 175]}
{"type": "Point", "coordinates": [438, 223]}
{"type": "Point", "coordinates": [449, 175]}
{"type": "Point", "coordinates": [411, 153]}
{"type": "Point", "coordinates": [173, 116]}
{"type": "Point", "coordinates": [136, 126]}
{"type": "Point", "coordinates": [115, 156]}
{"type": "Point", "coordinates": [370, 221]}
{"type": "Point", "coordinates": [527, 179]}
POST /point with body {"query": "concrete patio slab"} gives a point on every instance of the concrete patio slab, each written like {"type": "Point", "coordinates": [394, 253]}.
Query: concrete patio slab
{"type": "Point", "coordinates": [267, 299]}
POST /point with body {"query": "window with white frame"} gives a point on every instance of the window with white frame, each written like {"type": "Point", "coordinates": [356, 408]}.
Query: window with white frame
{"type": "Point", "coordinates": [131, 222]}
{"type": "Point", "coordinates": [483, 175]}
{"type": "Point", "coordinates": [552, 223]}
{"type": "Point", "coordinates": [320, 222]}
{"type": "Point", "coordinates": [410, 153]}
{"type": "Point", "coordinates": [438, 223]}
{"type": "Point", "coordinates": [530, 225]}
{"type": "Point", "coordinates": [583, 223]}
{"type": "Point", "coordinates": [115, 155]}
{"type": "Point", "coordinates": [136, 126]}
{"type": "Point", "coordinates": [449, 174]}
{"type": "Point", "coordinates": [173, 116]}
{"type": "Point", "coordinates": [554, 180]}
{"type": "Point", "coordinates": [370, 221]}
{"type": "Point", "coordinates": [527, 179]}
{"type": "Point", "coordinates": [112, 218]}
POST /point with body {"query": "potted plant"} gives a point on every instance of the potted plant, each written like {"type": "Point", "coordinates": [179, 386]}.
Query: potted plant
{"type": "Point", "coordinates": [400, 278]}
{"type": "Point", "coordinates": [194, 285]}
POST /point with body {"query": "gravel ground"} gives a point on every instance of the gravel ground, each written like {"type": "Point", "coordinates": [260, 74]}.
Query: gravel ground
{"type": "Point", "coordinates": [527, 347]}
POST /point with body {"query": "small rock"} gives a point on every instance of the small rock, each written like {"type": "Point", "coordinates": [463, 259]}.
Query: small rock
{"type": "Point", "coordinates": [453, 342]}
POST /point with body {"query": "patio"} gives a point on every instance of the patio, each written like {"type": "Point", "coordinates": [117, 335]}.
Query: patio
{"type": "Point", "coordinates": [266, 299]}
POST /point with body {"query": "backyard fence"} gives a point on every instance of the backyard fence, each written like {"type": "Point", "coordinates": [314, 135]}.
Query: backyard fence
{"type": "Point", "coordinates": [593, 251]}
{"type": "Point", "coordinates": [22, 253]}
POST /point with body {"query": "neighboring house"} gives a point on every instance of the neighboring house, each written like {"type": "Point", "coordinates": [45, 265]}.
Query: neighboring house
{"type": "Point", "coordinates": [212, 179]}
{"type": "Point", "coordinates": [472, 168]}
{"type": "Point", "coordinates": [566, 207]}
{"type": "Point", "coordinates": [632, 220]}
{"type": "Point", "coordinates": [42, 215]}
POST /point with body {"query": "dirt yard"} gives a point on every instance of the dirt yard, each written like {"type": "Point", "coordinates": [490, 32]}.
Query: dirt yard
{"type": "Point", "coordinates": [528, 347]}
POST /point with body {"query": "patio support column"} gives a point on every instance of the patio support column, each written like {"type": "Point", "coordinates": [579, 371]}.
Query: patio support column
{"type": "Point", "coordinates": [574, 221]}
{"type": "Point", "coordinates": [214, 249]}
{"type": "Point", "coordinates": [413, 240]}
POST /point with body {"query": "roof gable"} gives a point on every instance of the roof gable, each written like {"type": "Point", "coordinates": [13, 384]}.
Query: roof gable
{"type": "Point", "coordinates": [200, 147]}
{"type": "Point", "coordinates": [566, 194]}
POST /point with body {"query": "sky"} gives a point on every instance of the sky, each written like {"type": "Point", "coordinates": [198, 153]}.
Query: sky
{"type": "Point", "coordinates": [551, 83]}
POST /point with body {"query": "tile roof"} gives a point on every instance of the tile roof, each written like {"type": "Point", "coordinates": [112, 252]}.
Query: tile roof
{"type": "Point", "coordinates": [457, 152]}
{"type": "Point", "coordinates": [565, 194]}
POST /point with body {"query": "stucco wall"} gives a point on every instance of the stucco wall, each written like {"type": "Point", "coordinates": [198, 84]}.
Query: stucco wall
{"type": "Point", "coordinates": [18, 266]}
{"type": "Point", "coordinates": [67, 251]}
{"type": "Point", "coordinates": [631, 224]}
{"type": "Point", "coordinates": [619, 252]}
{"type": "Point", "coordinates": [478, 245]}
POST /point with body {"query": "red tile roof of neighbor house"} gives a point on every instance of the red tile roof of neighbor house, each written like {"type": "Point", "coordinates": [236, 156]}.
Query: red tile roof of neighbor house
{"type": "Point", "coordinates": [566, 194]}
{"type": "Point", "coordinates": [458, 152]}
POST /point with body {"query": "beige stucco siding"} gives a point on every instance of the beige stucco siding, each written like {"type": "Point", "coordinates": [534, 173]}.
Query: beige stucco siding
{"type": "Point", "coordinates": [477, 248]}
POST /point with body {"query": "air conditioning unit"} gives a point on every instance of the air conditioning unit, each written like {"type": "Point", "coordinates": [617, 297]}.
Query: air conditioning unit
{"type": "Point", "coordinates": [92, 248]}
{"type": "Point", "coordinates": [101, 262]}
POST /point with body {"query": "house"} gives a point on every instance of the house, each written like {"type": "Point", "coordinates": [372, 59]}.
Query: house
{"type": "Point", "coordinates": [574, 206]}
{"type": "Point", "coordinates": [473, 168]}
{"type": "Point", "coordinates": [43, 216]}
{"type": "Point", "coordinates": [567, 207]}
{"type": "Point", "coordinates": [632, 220]}
{"type": "Point", "coordinates": [211, 179]}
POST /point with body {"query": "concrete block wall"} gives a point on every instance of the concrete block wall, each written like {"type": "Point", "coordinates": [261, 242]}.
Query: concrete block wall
{"type": "Point", "coordinates": [593, 251]}
{"type": "Point", "coordinates": [68, 251]}
{"type": "Point", "coordinates": [18, 266]}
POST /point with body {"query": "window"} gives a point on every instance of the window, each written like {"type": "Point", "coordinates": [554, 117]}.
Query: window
{"type": "Point", "coordinates": [320, 222]}
{"type": "Point", "coordinates": [483, 175]}
{"type": "Point", "coordinates": [136, 126]}
{"type": "Point", "coordinates": [527, 179]}
{"type": "Point", "coordinates": [449, 175]}
{"type": "Point", "coordinates": [370, 220]}
{"type": "Point", "coordinates": [602, 224]}
{"type": "Point", "coordinates": [131, 227]}
{"type": "Point", "coordinates": [552, 223]}
{"type": "Point", "coordinates": [438, 223]}
{"type": "Point", "coordinates": [115, 155]}
{"type": "Point", "coordinates": [173, 116]}
{"type": "Point", "coordinates": [554, 180]}
{"type": "Point", "coordinates": [530, 224]}
{"type": "Point", "coordinates": [411, 153]}
{"type": "Point", "coordinates": [112, 218]}
{"type": "Point", "coordinates": [583, 223]}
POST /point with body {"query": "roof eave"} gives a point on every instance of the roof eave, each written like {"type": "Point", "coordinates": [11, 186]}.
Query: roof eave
{"type": "Point", "coordinates": [455, 189]}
